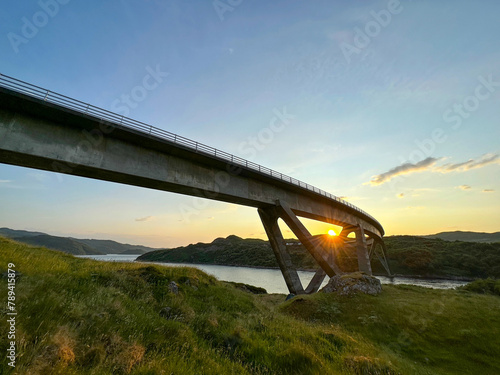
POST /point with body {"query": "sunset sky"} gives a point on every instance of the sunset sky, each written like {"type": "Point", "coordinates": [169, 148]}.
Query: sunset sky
{"type": "Point", "coordinates": [393, 105]}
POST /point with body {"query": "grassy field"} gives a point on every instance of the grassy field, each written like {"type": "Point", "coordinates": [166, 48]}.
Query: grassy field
{"type": "Point", "coordinates": [79, 316]}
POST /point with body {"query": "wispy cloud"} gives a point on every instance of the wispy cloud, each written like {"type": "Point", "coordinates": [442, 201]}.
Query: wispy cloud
{"type": "Point", "coordinates": [464, 187]}
{"type": "Point", "coordinates": [483, 161]}
{"type": "Point", "coordinates": [146, 218]}
{"type": "Point", "coordinates": [429, 164]}
{"type": "Point", "coordinates": [403, 169]}
{"type": "Point", "coordinates": [5, 181]}
{"type": "Point", "coordinates": [488, 190]}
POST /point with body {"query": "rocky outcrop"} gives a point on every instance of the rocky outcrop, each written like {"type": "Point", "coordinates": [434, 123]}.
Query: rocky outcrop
{"type": "Point", "coordinates": [352, 283]}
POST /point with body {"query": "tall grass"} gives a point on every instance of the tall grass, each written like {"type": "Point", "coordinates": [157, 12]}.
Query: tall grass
{"type": "Point", "coordinates": [79, 316]}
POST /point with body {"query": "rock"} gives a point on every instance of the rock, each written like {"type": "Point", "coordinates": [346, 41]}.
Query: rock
{"type": "Point", "coordinates": [166, 312]}
{"type": "Point", "coordinates": [352, 283]}
{"type": "Point", "coordinates": [173, 287]}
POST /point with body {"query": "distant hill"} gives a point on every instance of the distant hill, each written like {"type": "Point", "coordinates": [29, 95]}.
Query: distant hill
{"type": "Point", "coordinates": [66, 245]}
{"type": "Point", "coordinates": [73, 246]}
{"type": "Point", "coordinates": [12, 233]}
{"type": "Point", "coordinates": [113, 247]}
{"type": "Point", "coordinates": [467, 236]}
{"type": "Point", "coordinates": [230, 251]}
{"type": "Point", "coordinates": [407, 255]}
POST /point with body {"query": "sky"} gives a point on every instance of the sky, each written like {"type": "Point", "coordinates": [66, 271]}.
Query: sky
{"type": "Point", "coordinates": [393, 105]}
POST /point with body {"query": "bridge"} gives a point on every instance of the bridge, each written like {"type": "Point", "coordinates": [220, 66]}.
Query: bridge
{"type": "Point", "coordinates": [45, 130]}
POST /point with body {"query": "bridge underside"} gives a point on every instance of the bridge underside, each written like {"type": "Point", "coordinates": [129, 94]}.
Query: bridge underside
{"type": "Point", "coordinates": [324, 249]}
{"type": "Point", "coordinates": [46, 136]}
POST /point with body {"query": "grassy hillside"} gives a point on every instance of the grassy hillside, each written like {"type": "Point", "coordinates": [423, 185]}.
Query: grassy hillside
{"type": "Point", "coordinates": [73, 246]}
{"type": "Point", "coordinates": [113, 247]}
{"type": "Point", "coordinates": [424, 256]}
{"type": "Point", "coordinates": [64, 244]}
{"type": "Point", "coordinates": [407, 255]}
{"type": "Point", "coordinates": [12, 233]}
{"type": "Point", "coordinates": [79, 316]}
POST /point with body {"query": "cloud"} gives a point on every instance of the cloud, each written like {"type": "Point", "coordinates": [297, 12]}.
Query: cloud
{"type": "Point", "coordinates": [146, 218]}
{"type": "Point", "coordinates": [5, 181]}
{"type": "Point", "coordinates": [483, 161]}
{"type": "Point", "coordinates": [429, 164]}
{"type": "Point", "coordinates": [402, 169]}
{"type": "Point", "coordinates": [464, 187]}
{"type": "Point", "coordinates": [488, 190]}
{"type": "Point", "coordinates": [400, 195]}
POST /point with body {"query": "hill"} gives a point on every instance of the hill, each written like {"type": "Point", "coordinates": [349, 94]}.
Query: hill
{"type": "Point", "coordinates": [12, 233]}
{"type": "Point", "coordinates": [66, 245]}
{"type": "Point", "coordinates": [407, 255]}
{"type": "Point", "coordinates": [467, 236]}
{"type": "Point", "coordinates": [113, 247]}
{"type": "Point", "coordinates": [231, 251]}
{"type": "Point", "coordinates": [81, 316]}
{"type": "Point", "coordinates": [73, 246]}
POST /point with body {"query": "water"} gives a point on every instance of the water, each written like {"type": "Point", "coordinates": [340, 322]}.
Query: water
{"type": "Point", "coordinates": [271, 279]}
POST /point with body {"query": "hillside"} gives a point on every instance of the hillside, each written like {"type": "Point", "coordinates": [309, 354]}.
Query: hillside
{"type": "Point", "coordinates": [73, 246]}
{"type": "Point", "coordinates": [66, 245]}
{"type": "Point", "coordinates": [113, 247]}
{"type": "Point", "coordinates": [12, 233]}
{"type": "Point", "coordinates": [407, 255]}
{"type": "Point", "coordinates": [467, 236]}
{"type": "Point", "coordinates": [81, 316]}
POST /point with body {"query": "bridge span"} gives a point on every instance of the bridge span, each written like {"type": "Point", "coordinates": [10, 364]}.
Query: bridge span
{"type": "Point", "coordinates": [49, 131]}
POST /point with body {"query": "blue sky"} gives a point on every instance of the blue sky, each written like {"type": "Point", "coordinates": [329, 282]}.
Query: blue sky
{"type": "Point", "coordinates": [395, 106]}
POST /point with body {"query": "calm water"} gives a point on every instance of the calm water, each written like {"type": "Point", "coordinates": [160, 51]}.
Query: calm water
{"type": "Point", "coordinates": [272, 280]}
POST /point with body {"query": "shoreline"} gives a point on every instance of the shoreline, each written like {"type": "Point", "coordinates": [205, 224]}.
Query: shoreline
{"type": "Point", "coordinates": [421, 277]}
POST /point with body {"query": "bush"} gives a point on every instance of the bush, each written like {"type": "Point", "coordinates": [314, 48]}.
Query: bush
{"type": "Point", "coordinates": [486, 286]}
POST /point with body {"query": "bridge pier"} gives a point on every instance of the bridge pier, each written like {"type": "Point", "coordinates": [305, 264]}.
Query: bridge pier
{"type": "Point", "coordinates": [324, 256]}
{"type": "Point", "coordinates": [269, 219]}
{"type": "Point", "coordinates": [326, 259]}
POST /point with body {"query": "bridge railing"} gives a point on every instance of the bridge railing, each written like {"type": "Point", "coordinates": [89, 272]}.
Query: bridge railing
{"type": "Point", "coordinates": [102, 114]}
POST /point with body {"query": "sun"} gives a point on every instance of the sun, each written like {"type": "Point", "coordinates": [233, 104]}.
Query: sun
{"type": "Point", "coordinates": [331, 232]}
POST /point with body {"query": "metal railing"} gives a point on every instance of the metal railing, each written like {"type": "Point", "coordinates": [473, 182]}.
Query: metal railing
{"type": "Point", "coordinates": [102, 114]}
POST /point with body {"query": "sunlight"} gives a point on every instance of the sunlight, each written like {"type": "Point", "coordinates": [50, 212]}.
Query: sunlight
{"type": "Point", "coordinates": [331, 232]}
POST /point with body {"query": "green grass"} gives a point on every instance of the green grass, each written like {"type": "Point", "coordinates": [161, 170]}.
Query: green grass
{"type": "Point", "coordinates": [79, 316]}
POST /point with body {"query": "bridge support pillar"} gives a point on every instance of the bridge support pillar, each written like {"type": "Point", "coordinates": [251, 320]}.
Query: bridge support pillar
{"type": "Point", "coordinates": [269, 219]}
{"type": "Point", "coordinates": [325, 258]}
{"type": "Point", "coordinates": [362, 251]}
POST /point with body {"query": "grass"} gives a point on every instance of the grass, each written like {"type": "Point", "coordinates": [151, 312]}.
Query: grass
{"type": "Point", "coordinates": [79, 316]}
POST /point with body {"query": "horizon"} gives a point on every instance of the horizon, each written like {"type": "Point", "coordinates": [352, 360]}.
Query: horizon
{"type": "Point", "coordinates": [210, 241]}
{"type": "Point", "coordinates": [391, 105]}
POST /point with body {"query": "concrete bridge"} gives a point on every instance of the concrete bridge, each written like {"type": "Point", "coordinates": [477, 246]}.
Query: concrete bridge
{"type": "Point", "coordinates": [45, 130]}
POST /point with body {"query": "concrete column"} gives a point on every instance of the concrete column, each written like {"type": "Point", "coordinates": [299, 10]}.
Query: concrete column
{"type": "Point", "coordinates": [306, 239]}
{"type": "Point", "coordinates": [362, 251]}
{"type": "Point", "coordinates": [269, 219]}
{"type": "Point", "coordinates": [316, 281]}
